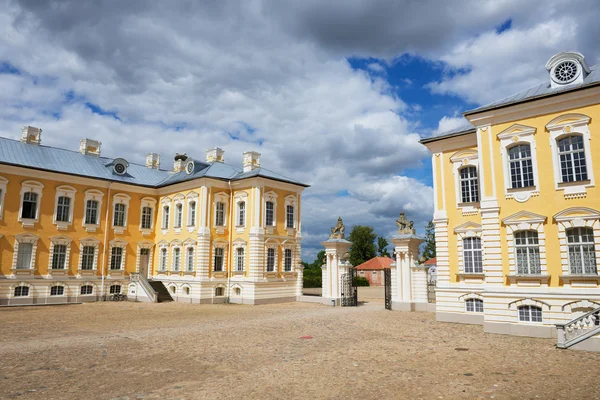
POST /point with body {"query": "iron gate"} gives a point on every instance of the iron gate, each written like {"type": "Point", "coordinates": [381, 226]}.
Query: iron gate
{"type": "Point", "coordinates": [387, 281]}
{"type": "Point", "coordinates": [349, 290]}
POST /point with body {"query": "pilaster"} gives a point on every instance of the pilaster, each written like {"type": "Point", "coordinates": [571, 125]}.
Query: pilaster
{"type": "Point", "coordinates": [256, 254]}
{"type": "Point", "coordinates": [203, 254]}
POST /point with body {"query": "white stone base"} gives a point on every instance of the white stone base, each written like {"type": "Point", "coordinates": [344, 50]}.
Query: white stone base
{"type": "Point", "coordinates": [413, 306]}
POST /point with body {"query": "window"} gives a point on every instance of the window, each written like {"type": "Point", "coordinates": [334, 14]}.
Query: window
{"type": "Point", "coordinates": [163, 259]}
{"type": "Point", "coordinates": [115, 289]}
{"type": "Point", "coordinates": [24, 255]}
{"type": "Point", "coordinates": [116, 257]}
{"type": "Point", "coordinates": [242, 213]}
{"type": "Point", "coordinates": [86, 289]}
{"type": "Point", "coordinates": [22, 291]}
{"type": "Point", "coordinates": [178, 215]}
{"type": "Point", "coordinates": [240, 259]}
{"type": "Point", "coordinates": [527, 253]}
{"type": "Point", "coordinates": [521, 167]}
{"type": "Point", "coordinates": [165, 222]}
{"type": "Point", "coordinates": [91, 212]}
{"type": "Point", "coordinates": [192, 213]}
{"type": "Point", "coordinates": [472, 255]}
{"type": "Point", "coordinates": [147, 218]}
{"type": "Point", "coordinates": [218, 262]}
{"type": "Point", "coordinates": [186, 290]}
{"type": "Point", "coordinates": [474, 305]}
{"type": "Point", "coordinates": [176, 258]}
{"type": "Point", "coordinates": [572, 159]}
{"type": "Point", "coordinates": [87, 257]}
{"type": "Point", "coordinates": [269, 216]}
{"type": "Point", "coordinates": [119, 217]}
{"type": "Point", "coordinates": [270, 260]}
{"type": "Point", "coordinates": [29, 205]}
{"type": "Point", "coordinates": [289, 216]}
{"type": "Point", "coordinates": [63, 208]}
{"type": "Point", "coordinates": [287, 260]}
{"type": "Point", "coordinates": [469, 186]}
{"type": "Point", "coordinates": [57, 291]}
{"type": "Point", "coordinates": [530, 314]}
{"type": "Point", "coordinates": [582, 253]}
{"type": "Point", "coordinates": [219, 291]}
{"type": "Point", "coordinates": [220, 214]}
{"type": "Point", "coordinates": [59, 256]}
{"type": "Point", "coordinates": [190, 259]}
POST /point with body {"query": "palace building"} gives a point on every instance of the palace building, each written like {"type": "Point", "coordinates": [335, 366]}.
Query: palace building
{"type": "Point", "coordinates": [517, 211]}
{"type": "Point", "coordinates": [76, 226]}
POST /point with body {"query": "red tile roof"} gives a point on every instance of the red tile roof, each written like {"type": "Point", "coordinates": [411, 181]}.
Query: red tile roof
{"type": "Point", "coordinates": [431, 261]}
{"type": "Point", "coordinates": [376, 263]}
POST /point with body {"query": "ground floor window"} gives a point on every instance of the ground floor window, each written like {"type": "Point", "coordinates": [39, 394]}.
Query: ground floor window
{"type": "Point", "coordinates": [22, 291]}
{"type": "Point", "coordinates": [530, 314]}
{"type": "Point", "coordinates": [57, 291]}
{"type": "Point", "coordinates": [87, 289]}
{"type": "Point", "coordinates": [474, 305]}
{"type": "Point", "coordinates": [219, 291]}
{"type": "Point", "coordinates": [115, 289]}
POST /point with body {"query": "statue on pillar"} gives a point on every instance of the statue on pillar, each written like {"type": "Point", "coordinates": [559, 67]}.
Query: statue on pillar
{"type": "Point", "coordinates": [337, 232]}
{"type": "Point", "coordinates": [405, 227]}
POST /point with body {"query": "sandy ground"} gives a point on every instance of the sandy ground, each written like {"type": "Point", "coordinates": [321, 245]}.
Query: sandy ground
{"type": "Point", "coordinates": [180, 351]}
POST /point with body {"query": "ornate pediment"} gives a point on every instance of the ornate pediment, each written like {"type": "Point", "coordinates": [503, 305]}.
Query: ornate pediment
{"type": "Point", "coordinates": [577, 213]}
{"type": "Point", "coordinates": [524, 217]}
{"type": "Point", "coordinates": [468, 154]}
{"type": "Point", "coordinates": [516, 130]}
{"type": "Point", "coordinates": [468, 226]}
{"type": "Point", "coordinates": [565, 120]}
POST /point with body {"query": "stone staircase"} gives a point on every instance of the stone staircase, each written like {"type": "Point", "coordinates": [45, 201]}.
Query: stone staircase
{"type": "Point", "coordinates": [579, 329]}
{"type": "Point", "coordinates": [162, 293]}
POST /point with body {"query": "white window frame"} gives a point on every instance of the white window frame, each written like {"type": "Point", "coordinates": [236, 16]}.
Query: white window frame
{"type": "Point", "coordinates": [3, 186]}
{"type": "Point", "coordinates": [474, 302]}
{"type": "Point", "coordinates": [239, 244]}
{"type": "Point", "coordinates": [291, 201]}
{"type": "Point", "coordinates": [241, 197]}
{"type": "Point", "coordinates": [90, 242]}
{"type": "Point", "coordinates": [178, 212]}
{"type": "Point", "coordinates": [580, 244]}
{"type": "Point", "coordinates": [292, 258]}
{"type": "Point", "coordinates": [83, 284]}
{"type": "Point", "coordinates": [150, 203]}
{"type": "Point", "coordinates": [221, 197]}
{"type": "Point", "coordinates": [272, 197]}
{"type": "Point", "coordinates": [64, 241]}
{"type": "Point", "coordinates": [468, 230]}
{"type": "Point", "coordinates": [11, 294]}
{"type": "Point", "coordinates": [569, 125]}
{"type": "Point", "coordinates": [92, 194]}
{"type": "Point", "coordinates": [163, 262]}
{"type": "Point", "coordinates": [190, 244]}
{"type": "Point", "coordinates": [272, 244]}
{"type": "Point", "coordinates": [25, 238]}
{"type": "Point", "coordinates": [221, 245]}
{"type": "Point", "coordinates": [517, 304]}
{"type": "Point", "coordinates": [120, 198]}
{"type": "Point", "coordinates": [463, 159]}
{"type": "Point", "coordinates": [192, 198]}
{"type": "Point", "coordinates": [57, 284]}
{"type": "Point", "coordinates": [165, 218]}
{"type": "Point", "coordinates": [69, 192]}
{"type": "Point", "coordinates": [175, 248]}
{"type": "Point", "coordinates": [116, 243]}
{"type": "Point", "coordinates": [37, 188]}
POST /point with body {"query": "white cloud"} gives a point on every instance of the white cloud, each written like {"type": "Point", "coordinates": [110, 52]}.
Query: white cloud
{"type": "Point", "coordinates": [448, 123]}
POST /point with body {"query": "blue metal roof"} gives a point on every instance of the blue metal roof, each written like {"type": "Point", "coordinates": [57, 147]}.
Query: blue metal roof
{"type": "Point", "coordinates": [14, 152]}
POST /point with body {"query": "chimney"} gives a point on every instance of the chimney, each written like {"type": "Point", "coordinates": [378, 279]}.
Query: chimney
{"type": "Point", "coordinates": [153, 161]}
{"type": "Point", "coordinates": [90, 147]}
{"type": "Point", "coordinates": [31, 135]}
{"type": "Point", "coordinates": [179, 162]}
{"type": "Point", "coordinates": [251, 161]}
{"type": "Point", "coordinates": [215, 155]}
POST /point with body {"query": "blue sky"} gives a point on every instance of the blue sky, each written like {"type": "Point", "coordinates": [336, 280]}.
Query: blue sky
{"type": "Point", "coordinates": [335, 94]}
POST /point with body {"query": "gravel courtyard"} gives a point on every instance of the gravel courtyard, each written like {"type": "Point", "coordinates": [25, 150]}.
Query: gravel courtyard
{"type": "Point", "coordinates": [179, 351]}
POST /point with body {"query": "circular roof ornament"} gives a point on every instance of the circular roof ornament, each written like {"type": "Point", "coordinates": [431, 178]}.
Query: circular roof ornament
{"type": "Point", "coordinates": [189, 167]}
{"type": "Point", "coordinates": [566, 72]}
{"type": "Point", "coordinates": [120, 166]}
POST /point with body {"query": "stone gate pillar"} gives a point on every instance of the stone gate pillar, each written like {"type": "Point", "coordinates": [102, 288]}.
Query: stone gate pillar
{"type": "Point", "coordinates": [336, 257]}
{"type": "Point", "coordinates": [409, 282]}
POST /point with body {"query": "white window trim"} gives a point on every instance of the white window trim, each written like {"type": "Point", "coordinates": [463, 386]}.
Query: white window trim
{"type": "Point", "coordinates": [11, 293]}
{"type": "Point", "coordinates": [35, 187]}
{"type": "Point", "coordinates": [3, 186]}
{"type": "Point", "coordinates": [60, 284]}
{"type": "Point", "coordinates": [239, 244]}
{"type": "Point", "coordinates": [147, 202]}
{"type": "Point", "coordinates": [272, 244]}
{"type": "Point", "coordinates": [291, 201]}
{"type": "Point", "coordinates": [82, 284]}
{"type": "Point", "coordinates": [183, 289]}
{"type": "Point", "coordinates": [526, 221]}
{"type": "Point", "coordinates": [59, 240]}
{"type": "Point", "coordinates": [92, 194]}
{"type": "Point", "coordinates": [467, 230]}
{"type": "Point", "coordinates": [165, 202]}
{"type": "Point", "coordinates": [568, 125]}
{"type": "Point", "coordinates": [178, 200]}
{"type": "Point", "coordinates": [288, 246]}
{"type": "Point", "coordinates": [192, 197]}
{"type": "Point", "coordinates": [163, 245]}
{"type": "Point", "coordinates": [120, 198]}
{"type": "Point", "coordinates": [238, 198]}
{"type": "Point", "coordinates": [25, 238]}
{"type": "Point", "coordinates": [223, 245]}
{"type": "Point", "coordinates": [513, 136]}
{"type": "Point", "coordinates": [576, 217]}
{"type": "Point", "coordinates": [221, 197]}
{"type": "Point", "coordinates": [546, 319]}
{"type": "Point", "coordinates": [472, 296]}
{"type": "Point", "coordinates": [461, 159]}
{"type": "Point", "coordinates": [64, 191]}
{"type": "Point", "coordinates": [117, 243]}
{"type": "Point", "coordinates": [92, 242]}
{"type": "Point", "coordinates": [189, 244]}
{"type": "Point", "coordinates": [272, 197]}
{"type": "Point", "coordinates": [176, 244]}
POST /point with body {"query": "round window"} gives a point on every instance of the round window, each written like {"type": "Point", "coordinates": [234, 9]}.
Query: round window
{"type": "Point", "coordinates": [566, 72]}
{"type": "Point", "coordinates": [189, 168]}
{"type": "Point", "coordinates": [120, 168]}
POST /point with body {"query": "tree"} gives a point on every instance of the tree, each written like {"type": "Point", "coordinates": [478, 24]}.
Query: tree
{"type": "Point", "coordinates": [382, 243]}
{"type": "Point", "coordinates": [429, 244]}
{"type": "Point", "coordinates": [320, 260]}
{"type": "Point", "coordinates": [363, 246]}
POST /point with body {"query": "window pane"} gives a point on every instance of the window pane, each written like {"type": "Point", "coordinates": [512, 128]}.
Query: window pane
{"type": "Point", "coordinates": [91, 212]}
{"type": "Point", "coordinates": [29, 205]}
{"type": "Point", "coordinates": [192, 214]}
{"type": "Point", "coordinates": [469, 185]}
{"type": "Point", "coordinates": [146, 218]}
{"type": "Point", "coordinates": [472, 257]}
{"type": "Point", "coordinates": [218, 262]}
{"type": "Point", "coordinates": [24, 255]}
{"type": "Point", "coordinates": [116, 258]}
{"type": "Point", "coordinates": [59, 256]}
{"type": "Point", "coordinates": [242, 213]}
{"type": "Point", "coordinates": [119, 217]}
{"type": "Point", "coordinates": [270, 260]}
{"type": "Point", "coordinates": [62, 209]}
{"type": "Point", "coordinates": [269, 206]}
{"type": "Point", "coordinates": [220, 214]}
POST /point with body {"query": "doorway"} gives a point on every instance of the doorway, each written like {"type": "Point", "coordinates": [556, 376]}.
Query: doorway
{"type": "Point", "coordinates": [144, 262]}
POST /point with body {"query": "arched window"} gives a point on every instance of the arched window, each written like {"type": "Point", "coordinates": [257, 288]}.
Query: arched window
{"type": "Point", "coordinates": [572, 159]}
{"type": "Point", "coordinates": [21, 291]}
{"type": "Point", "coordinates": [582, 253]}
{"type": "Point", "coordinates": [86, 289]}
{"type": "Point", "coordinates": [241, 213]}
{"type": "Point", "coordinates": [178, 215]}
{"type": "Point", "coordinates": [57, 291]}
{"type": "Point", "coordinates": [115, 289]}
{"type": "Point", "coordinates": [527, 252]}
{"type": "Point", "coordinates": [469, 185]}
{"type": "Point", "coordinates": [165, 221]}
{"type": "Point", "coordinates": [192, 213]}
{"type": "Point", "coordinates": [521, 167]}
{"type": "Point", "coordinates": [474, 305]}
{"type": "Point", "coordinates": [472, 255]}
{"type": "Point", "coordinates": [147, 218]}
{"type": "Point", "coordinates": [530, 314]}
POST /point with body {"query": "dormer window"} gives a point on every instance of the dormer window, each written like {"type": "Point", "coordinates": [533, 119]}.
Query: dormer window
{"type": "Point", "coordinates": [566, 72]}
{"type": "Point", "coordinates": [567, 68]}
